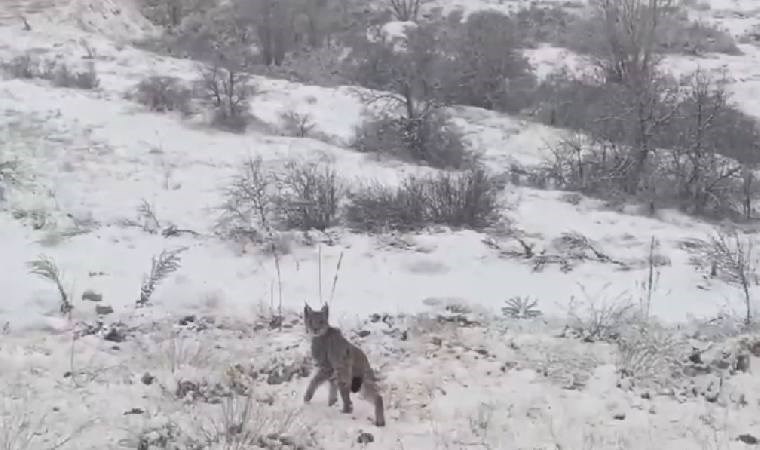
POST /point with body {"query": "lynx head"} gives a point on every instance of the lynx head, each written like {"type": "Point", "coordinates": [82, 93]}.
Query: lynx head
{"type": "Point", "coordinates": [315, 321]}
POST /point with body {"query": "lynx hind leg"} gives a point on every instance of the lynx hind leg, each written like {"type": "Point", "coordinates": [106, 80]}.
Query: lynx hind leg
{"type": "Point", "coordinates": [371, 393]}
{"type": "Point", "coordinates": [332, 396]}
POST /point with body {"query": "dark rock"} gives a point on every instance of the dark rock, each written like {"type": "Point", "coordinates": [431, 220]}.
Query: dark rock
{"type": "Point", "coordinates": [103, 310]}
{"type": "Point", "coordinates": [115, 334]}
{"type": "Point", "coordinates": [748, 439]}
{"type": "Point", "coordinates": [363, 333]}
{"type": "Point", "coordinates": [365, 438]}
{"type": "Point", "coordinates": [742, 363]}
{"type": "Point", "coordinates": [185, 387]}
{"type": "Point", "coordinates": [147, 378]}
{"type": "Point", "coordinates": [134, 411]}
{"type": "Point", "coordinates": [619, 416]}
{"type": "Point", "coordinates": [186, 320]}
{"type": "Point", "coordinates": [91, 296]}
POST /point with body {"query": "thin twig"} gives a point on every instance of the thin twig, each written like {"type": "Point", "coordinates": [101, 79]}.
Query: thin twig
{"type": "Point", "coordinates": [335, 278]}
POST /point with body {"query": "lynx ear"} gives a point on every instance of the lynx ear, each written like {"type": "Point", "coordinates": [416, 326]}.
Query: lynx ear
{"type": "Point", "coordinates": [325, 308]}
{"type": "Point", "coordinates": [306, 308]}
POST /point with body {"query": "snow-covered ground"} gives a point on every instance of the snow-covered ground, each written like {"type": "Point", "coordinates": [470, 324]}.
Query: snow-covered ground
{"type": "Point", "coordinates": [88, 158]}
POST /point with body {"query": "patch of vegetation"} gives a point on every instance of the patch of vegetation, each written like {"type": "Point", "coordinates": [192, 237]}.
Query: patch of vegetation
{"type": "Point", "coordinates": [460, 200]}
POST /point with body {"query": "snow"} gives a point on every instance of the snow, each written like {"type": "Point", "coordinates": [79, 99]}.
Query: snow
{"type": "Point", "coordinates": [88, 158]}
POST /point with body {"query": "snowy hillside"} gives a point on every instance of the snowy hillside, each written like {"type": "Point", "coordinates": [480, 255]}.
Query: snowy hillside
{"type": "Point", "coordinates": [457, 370]}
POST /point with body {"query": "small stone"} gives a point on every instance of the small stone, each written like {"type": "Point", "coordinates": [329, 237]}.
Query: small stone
{"type": "Point", "coordinates": [365, 438]}
{"type": "Point", "coordinates": [115, 335]}
{"type": "Point", "coordinates": [436, 341]}
{"type": "Point", "coordinates": [147, 379]}
{"type": "Point", "coordinates": [619, 416]}
{"type": "Point", "coordinates": [134, 411]}
{"type": "Point", "coordinates": [748, 439]}
{"type": "Point", "coordinates": [103, 310]}
{"type": "Point", "coordinates": [186, 320]}
{"type": "Point", "coordinates": [742, 363]}
{"type": "Point", "coordinates": [482, 351]}
{"type": "Point", "coordinates": [91, 296]}
{"type": "Point", "coordinates": [363, 333]}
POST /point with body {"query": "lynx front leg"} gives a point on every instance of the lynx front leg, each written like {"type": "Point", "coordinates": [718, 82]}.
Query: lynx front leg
{"type": "Point", "coordinates": [332, 396]}
{"type": "Point", "coordinates": [343, 376]}
{"type": "Point", "coordinates": [320, 377]}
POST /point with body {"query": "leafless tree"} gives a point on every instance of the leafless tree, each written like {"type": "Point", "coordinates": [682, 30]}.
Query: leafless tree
{"type": "Point", "coordinates": [406, 10]}
{"type": "Point", "coordinates": [736, 261]}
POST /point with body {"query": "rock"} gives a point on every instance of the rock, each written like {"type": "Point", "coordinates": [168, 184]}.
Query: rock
{"type": "Point", "coordinates": [619, 416]}
{"type": "Point", "coordinates": [133, 411]}
{"type": "Point", "coordinates": [115, 335]}
{"type": "Point", "coordinates": [185, 387]}
{"type": "Point", "coordinates": [436, 341]}
{"type": "Point", "coordinates": [147, 378]}
{"type": "Point", "coordinates": [363, 333]}
{"type": "Point", "coordinates": [748, 439]}
{"type": "Point", "coordinates": [754, 348]}
{"type": "Point", "coordinates": [91, 296]}
{"type": "Point", "coordinates": [365, 438]}
{"type": "Point", "coordinates": [103, 310]}
{"type": "Point", "coordinates": [742, 363]}
{"type": "Point", "coordinates": [187, 320]}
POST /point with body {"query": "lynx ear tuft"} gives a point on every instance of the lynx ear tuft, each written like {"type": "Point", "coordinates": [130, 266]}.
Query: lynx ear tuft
{"type": "Point", "coordinates": [325, 308]}
{"type": "Point", "coordinates": [306, 308]}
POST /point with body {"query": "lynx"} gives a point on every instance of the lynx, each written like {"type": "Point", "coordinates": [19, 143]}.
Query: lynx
{"type": "Point", "coordinates": [343, 364]}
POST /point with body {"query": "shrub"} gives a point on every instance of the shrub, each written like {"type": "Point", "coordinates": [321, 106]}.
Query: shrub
{"type": "Point", "coordinates": [309, 196]}
{"type": "Point", "coordinates": [162, 265]}
{"type": "Point", "coordinates": [376, 207]}
{"type": "Point", "coordinates": [23, 66]}
{"type": "Point", "coordinates": [162, 93]}
{"type": "Point", "coordinates": [674, 34]}
{"type": "Point", "coordinates": [430, 138]}
{"type": "Point", "coordinates": [227, 90]}
{"type": "Point", "coordinates": [296, 124]}
{"type": "Point", "coordinates": [462, 200]}
{"type": "Point", "coordinates": [497, 76]}
{"type": "Point", "coordinates": [62, 75]}
{"type": "Point", "coordinates": [249, 202]}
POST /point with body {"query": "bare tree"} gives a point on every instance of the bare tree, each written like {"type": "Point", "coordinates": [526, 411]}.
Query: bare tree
{"type": "Point", "coordinates": [735, 259]}
{"type": "Point", "coordinates": [631, 62]}
{"type": "Point", "coordinates": [406, 10]}
{"type": "Point", "coordinates": [227, 89]}
{"type": "Point", "coordinates": [702, 175]}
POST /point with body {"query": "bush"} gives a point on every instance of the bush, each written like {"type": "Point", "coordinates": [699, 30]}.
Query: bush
{"type": "Point", "coordinates": [245, 214]}
{"type": "Point", "coordinates": [461, 200]}
{"type": "Point", "coordinates": [430, 138]}
{"type": "Point", "coordinates": [62, 75]}
{"type": "Point", "coordinates": [227, 90]}
{"type": "Point", "coordinates": [296, 124]}
{"type": "Point", "coordinates": [497, 76]}
{"type": "Point", "coordinates": [309, 196]}
{"type": "Point", "coordinates": [675, 34]}
{"type": "Point", "coordinates": [23, 66]}
{"type": "Point", "coordinates": [162, 93]}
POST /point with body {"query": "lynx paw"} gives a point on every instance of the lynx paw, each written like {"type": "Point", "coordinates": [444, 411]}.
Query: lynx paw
{"type": "Point", "coordinates": [380, 422]}
{"type": "Point", "coordinates": [307, 397]}
{"type": "Point", "coordinates": [347, 409]}
{"type": "Point", "coordinates": [331, 401]}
